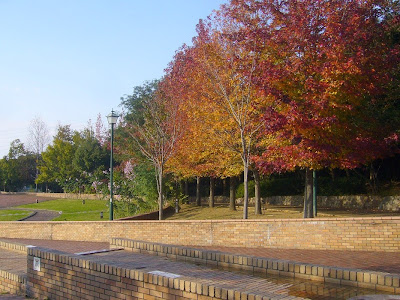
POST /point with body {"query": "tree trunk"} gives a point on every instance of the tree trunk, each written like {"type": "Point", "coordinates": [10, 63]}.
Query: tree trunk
{"type": "Point", "coordinates": [373, 175]}
{"type": "Point", "coordinates": [37, 172]}
{"type": "Point", "coordinates": [198, 196]}
{"type": "Point", "coordinates": [257, 200]}
{"type": "Point", "coordinates": [232, 193]}
{"type": "Point", "coordinates": [212, 188]}
{"type": "Point", "coordinates": [181, 187]}
{"type": "Point", "coordinates": [186, 187]}
{"type": "Point", "coordinates": [225, 187]}
{"type": "Point", "coordinates": [314, 184]}
{"type": "Point", "coordinates": [308, 195]}
{"type": "Point", "coordinates": [333, 175]}
{"type": "Point", "coordinates": [246, 191]}
{"type": "Point", "coordinates": [160, 195]}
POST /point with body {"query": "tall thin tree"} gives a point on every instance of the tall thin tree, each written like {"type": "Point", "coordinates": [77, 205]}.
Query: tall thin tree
{"type": "Point", "coordinates": [37, 140]}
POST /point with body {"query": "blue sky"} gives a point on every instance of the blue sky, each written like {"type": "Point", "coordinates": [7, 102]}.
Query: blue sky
{"type": "Point", "coordinates": [66, 61]}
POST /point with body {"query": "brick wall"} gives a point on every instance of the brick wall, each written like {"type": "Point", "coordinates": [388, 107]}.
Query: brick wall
{"type": "Point", "coordinates": [362, 234]}
{"type": "Point", "coordinates": [343, 276]}
{"type": "Point", "coordinates": [12, 283]}
{"type": "Point", "coordinates": [9, 282]}
{"type": "Point", "coordinates": [64, 276]}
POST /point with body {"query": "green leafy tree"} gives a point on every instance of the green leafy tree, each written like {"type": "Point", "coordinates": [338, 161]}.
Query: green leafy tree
{"type": "Point", "coordinates": [17, 169]}
{"type": "Point", "coordinates": [57, 166]}
{"type": "Point", "coordinates": [153, 128]}
{"type": "Point", "coordinates": [90, 159]}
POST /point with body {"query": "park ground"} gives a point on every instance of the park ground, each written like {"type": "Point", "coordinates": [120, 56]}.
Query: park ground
{"type": "Point", "coordinates": [18, 206]}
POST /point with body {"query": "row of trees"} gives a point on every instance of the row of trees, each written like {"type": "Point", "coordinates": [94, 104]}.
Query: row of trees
{"type": "Point", "coordinates": [274, 86]}
{"type": "Point", "coordinates": [268, 86]}
{"type": "Point", "coordinates": [76, 162]}
{"type": "Point", "coordinates": [71, 162]}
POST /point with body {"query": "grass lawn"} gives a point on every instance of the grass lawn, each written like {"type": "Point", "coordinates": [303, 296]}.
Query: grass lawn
{"type": "Point", "coordinates": [13, 215]}
{"type": "Point", "coordinates": [74, 210]}
{"type": "Point", "coordinates": [193, 212]}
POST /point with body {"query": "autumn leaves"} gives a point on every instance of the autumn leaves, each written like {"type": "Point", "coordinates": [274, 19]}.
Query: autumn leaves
{"type": "Point", "coordinates": [277, 85]}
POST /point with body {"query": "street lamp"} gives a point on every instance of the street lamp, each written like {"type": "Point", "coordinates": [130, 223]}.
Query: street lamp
{"type": "Point", "coordinates": [112, 120]}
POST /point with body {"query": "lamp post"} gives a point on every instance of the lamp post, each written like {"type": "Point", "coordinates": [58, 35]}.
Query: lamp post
{"type": "Point", "coordinates": [112, 120]}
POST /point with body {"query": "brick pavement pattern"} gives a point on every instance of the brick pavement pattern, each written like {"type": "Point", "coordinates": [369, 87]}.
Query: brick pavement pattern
{"type": "Point", "coordinates": [65, 246]}
{"type": "Point", "coordinates": [367, 260]}
{"type": "Point", "coordinates": [13, 262]}
{"type": "Point", "coordinates": [202, 274]}
{"type": "Point", "coordinates": [130, 274]}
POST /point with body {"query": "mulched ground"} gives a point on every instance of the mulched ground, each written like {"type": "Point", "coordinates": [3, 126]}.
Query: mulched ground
{"type": "Point", "coordinates": [10, 200]}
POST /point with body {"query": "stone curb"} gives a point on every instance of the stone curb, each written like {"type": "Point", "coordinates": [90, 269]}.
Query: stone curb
{"type": "Point", "coordinates": [343, 276]}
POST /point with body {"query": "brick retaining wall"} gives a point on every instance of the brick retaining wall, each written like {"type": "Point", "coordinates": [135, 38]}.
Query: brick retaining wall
{"type": "Point", "coordinates": [9, 282]}
{"type": "Point", "coordinates": [359, 234]}
{"type": "Point", "coordinates": [343, 276]}
{"type": "Point", "coordinates": [12, 283]}
{"type": "Point", "coordinates": [64, 276]}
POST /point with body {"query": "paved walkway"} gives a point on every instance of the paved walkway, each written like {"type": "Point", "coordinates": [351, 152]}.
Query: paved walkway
{"type": "Point", "coordinates": [16, 263]}
{"type": "Point", "coordinates": [367, 260]}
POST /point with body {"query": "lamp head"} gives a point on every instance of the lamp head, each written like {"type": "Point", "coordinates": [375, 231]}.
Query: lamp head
{"type": "Point", "coordinates": [112, 118]}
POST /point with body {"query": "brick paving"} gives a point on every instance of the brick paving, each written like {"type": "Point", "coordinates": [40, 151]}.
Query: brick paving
{"type": "Point", "coordinates": [65, 246]}
{"type": "Point", "coordinates": [12, 297]}
{"type": "Point", "coordinates": [16, 263]}
{"type": "Point", "coordinates": [13, 262]}
{"type": "Point", "coordinates": [367, 260]}
{"type": "Point", "coordinates": [281, 286]}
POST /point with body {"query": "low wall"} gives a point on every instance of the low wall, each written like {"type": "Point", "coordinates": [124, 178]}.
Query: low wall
{"type": "Point", "coordinates": [361, 234]}
{"type": "Point", "coordinates": [389, 203]}
{"type": "Point", "coordinates": [9, 282]}
{"type": "Point", "coordinates": [64, 276]}
{"type": "Point", "coordinates": [58, 195]}
{"type": "Point", "coordinates": [12, 283]}
{"type": "Point", "coordinates": [343, 276]}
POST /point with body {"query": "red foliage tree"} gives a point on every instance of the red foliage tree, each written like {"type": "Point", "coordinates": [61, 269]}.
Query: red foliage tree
{"type": "Point", "coordinates": [325, 68]}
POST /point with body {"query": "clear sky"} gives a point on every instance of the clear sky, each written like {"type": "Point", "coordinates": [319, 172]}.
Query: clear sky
{"type": "Point", "coordinates": [66, 61]}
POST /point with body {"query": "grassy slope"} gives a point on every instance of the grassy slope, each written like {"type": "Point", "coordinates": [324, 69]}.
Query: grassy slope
{"type": "Point", "coordinates": [75, 210]}
{"type": "Point", "coordinates": [193, 212]}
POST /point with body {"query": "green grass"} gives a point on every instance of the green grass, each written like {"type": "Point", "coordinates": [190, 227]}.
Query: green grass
{"type": "Point", "coordinates": [13, 215]}
{"type": "Point", "coordinates": [221, 212]}
{"type": "Point", "coordinates": [74, 210]}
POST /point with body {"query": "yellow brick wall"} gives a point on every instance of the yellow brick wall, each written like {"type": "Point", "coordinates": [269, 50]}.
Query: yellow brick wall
{"type": "Point", "coordinates": [369, 234]}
